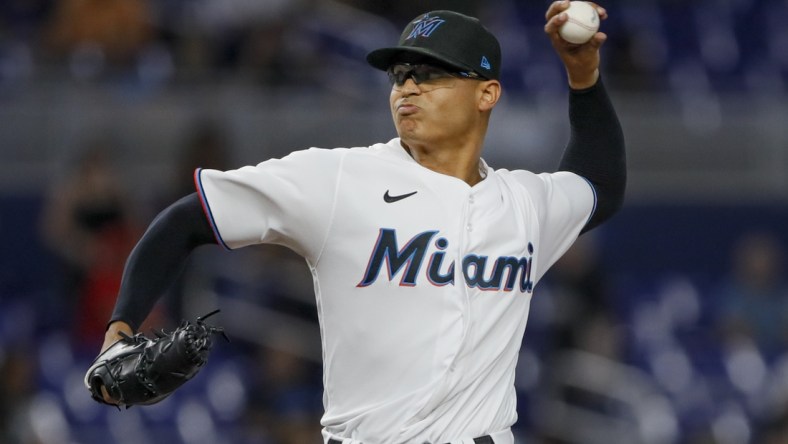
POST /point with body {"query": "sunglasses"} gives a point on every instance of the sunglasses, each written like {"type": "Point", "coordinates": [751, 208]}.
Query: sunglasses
{"type": "Point", "coordinates": [423, 73]}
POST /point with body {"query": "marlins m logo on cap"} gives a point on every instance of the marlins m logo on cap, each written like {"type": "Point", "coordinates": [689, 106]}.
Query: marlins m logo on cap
{"type": "Point", "coordinates": [425, 26]}
{"type": "Point", "coordinates": [447, 39]}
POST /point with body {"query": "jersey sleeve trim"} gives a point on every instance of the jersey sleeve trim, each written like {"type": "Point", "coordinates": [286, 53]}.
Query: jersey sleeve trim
{"type": "Point", "coordinates": [206, 208]}
{"type": "Point", "coordinates": [593, 191]}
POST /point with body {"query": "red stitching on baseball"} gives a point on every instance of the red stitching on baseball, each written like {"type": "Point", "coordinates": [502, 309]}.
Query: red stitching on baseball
{"type": "Point", "coordinates": [582, 25]}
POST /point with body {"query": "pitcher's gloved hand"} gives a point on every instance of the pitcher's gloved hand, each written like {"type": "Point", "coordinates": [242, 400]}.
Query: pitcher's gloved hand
{"type": "Point", "coordinates": [137, 370]}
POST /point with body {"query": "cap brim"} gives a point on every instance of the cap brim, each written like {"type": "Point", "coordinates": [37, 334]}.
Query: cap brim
{"type": "Point", "coordinates": [385, 57]}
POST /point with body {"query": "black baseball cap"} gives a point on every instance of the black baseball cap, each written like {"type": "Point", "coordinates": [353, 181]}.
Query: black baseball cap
{"type": "Point", "coordinates": [448, 38]}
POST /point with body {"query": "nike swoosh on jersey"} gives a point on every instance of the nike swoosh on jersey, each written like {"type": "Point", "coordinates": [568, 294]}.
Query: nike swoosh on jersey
{"type": "Point", "coordinates": [391, 199]}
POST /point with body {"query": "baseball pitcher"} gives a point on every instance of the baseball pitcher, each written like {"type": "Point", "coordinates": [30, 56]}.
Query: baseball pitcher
{"type": "Point", "coordinates": [424, 257]}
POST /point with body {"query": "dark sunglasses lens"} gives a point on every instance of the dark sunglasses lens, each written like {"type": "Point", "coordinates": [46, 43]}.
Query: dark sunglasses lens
{"type": "Point", "coordinates": [396, 78]}
{"type": "Point", "coordinates": [398, 74]}
{"type": "Point", "coordinates": [422, 73]}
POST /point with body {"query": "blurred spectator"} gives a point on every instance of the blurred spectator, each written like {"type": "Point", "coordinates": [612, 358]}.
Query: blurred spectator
{"type": "Point", "coordinates": [263, 41]}
{"type": "Point", "coordinates": [774, 431]}
{"type": "Point", "coordinates": [206, 144]}
{"type": "Point", "coordinates": [285, 403]}
{"type": "Point", "coordinates": [89, 223]}
{"type": "Point", "coordinates": [277, 53]}
{"type": "Point", "coordinates": [604, 400]}
{"type": "Point", "coordinates": [17, 389]}
{"type": "Point", "coordinates": [20, 34]}
{"type": "Point", "coordinates": [583, 361]}
{"type": "Point", "coordinates": [22, 19]}
{"type": "Point", "coordinates": [579, 294]}
{"type": "Point", "coordinates": [753, 298]}
{"type": "Point", "coordinates": [402, 11]}
{"type": "Point", "coordinates": [94, 35]}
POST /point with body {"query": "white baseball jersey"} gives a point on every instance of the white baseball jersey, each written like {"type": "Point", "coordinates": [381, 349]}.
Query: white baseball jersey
{"type": "Point", "coordinates": [423, 283]}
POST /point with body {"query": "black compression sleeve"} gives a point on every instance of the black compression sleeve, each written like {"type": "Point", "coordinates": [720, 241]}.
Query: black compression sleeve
{"type": "Point", "coordinates": [158, 258]}
{"type": "Point", "coordinates": [596, 149]}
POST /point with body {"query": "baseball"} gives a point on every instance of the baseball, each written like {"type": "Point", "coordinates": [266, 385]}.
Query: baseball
{"type": "Point", "coordinates": [582, 24]}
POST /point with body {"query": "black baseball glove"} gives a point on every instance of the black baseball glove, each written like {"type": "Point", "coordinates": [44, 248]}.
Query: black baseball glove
{"type": "Point", "coordinates": [138, 371]}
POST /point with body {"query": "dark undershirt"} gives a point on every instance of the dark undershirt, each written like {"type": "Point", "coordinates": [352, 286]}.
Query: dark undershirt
{"type": "Point", "coordinates": [596, 150]}
{"type": "Point", "coordinates": [159, 257]}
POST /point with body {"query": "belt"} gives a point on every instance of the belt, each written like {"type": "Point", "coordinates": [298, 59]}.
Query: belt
{"type": "Point", "coordinates": [486, 439]}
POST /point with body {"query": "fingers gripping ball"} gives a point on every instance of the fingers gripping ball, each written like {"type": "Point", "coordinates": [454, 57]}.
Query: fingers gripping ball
{"type": "Point", "coordinates": [582, 23]}
{"type": "Point", "coordinates": [138, 371]}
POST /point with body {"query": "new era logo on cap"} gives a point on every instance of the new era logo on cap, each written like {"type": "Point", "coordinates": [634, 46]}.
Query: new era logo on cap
{"type": "Point", "coordinates": [446, 38]}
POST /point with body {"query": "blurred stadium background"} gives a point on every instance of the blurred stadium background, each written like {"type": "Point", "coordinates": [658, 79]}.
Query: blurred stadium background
{"type": "Point", "coordinates": [667, 325]}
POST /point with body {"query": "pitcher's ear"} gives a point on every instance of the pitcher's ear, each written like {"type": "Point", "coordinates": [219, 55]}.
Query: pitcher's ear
{"type": "Point", "coordinates": [489, 93]}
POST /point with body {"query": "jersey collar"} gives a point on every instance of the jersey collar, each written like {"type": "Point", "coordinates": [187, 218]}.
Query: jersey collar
{"type": "Point", "coordinates": [402, 153]}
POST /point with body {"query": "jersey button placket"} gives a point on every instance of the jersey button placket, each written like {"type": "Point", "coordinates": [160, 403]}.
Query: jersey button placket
{"type": "Point", "coordinates": [462, 250]}
{"type": "Point", "coordinates": [469, 226]}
